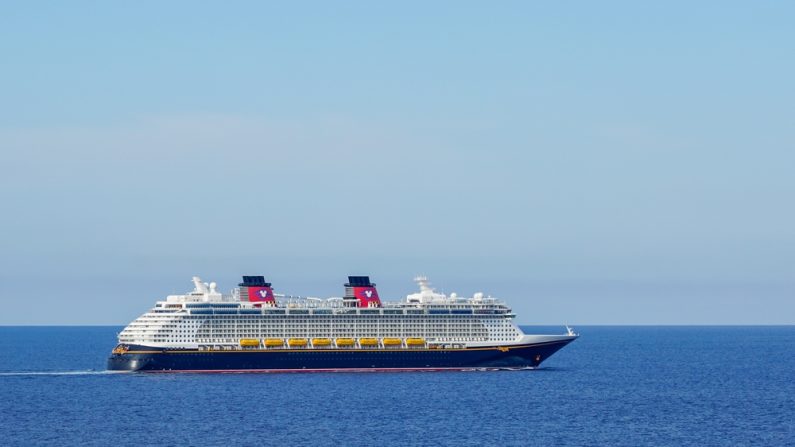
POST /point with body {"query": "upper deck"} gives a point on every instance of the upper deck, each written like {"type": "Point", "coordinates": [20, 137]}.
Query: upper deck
{"type": "Point", "coordinates": [205, 300]}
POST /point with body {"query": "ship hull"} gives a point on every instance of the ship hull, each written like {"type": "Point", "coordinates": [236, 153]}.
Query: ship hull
{"type": "Point", "coordinates": [148, 359]}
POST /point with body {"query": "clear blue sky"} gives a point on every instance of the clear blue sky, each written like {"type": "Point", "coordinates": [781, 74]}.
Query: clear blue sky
{"type": "Point", "coordinates": [590, 162]}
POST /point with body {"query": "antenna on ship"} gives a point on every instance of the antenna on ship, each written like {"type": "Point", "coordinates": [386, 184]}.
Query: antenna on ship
{"type": "Point", "coordinates": [422, 281]}
{"type": "Point", "coordinates": [199, 286]}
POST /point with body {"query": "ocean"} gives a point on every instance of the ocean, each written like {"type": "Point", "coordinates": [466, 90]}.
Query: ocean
{"type": "Point", "coordinates": [616, 386]}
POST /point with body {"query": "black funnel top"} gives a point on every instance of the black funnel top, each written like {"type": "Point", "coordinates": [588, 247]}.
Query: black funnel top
{"type": "Point", "coordinates": [254, 281]}
{"type": "Point", "coordinates": [359, 281]}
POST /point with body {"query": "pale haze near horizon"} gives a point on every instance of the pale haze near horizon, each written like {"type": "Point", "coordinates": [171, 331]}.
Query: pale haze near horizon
{"type": "Point", "coordinates": [590, 163]}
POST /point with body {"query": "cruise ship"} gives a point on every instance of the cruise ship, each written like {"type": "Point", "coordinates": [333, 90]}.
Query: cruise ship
{"type": "Point", "coordinates": [252, 329]}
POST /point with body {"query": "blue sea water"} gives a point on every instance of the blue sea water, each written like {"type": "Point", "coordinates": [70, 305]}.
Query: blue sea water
{"type": "Point", "coordinates": [619, 386]}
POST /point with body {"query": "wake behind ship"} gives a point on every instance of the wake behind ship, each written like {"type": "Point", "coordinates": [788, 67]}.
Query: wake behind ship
{"type": "Point", "coordinates": [254, 330]}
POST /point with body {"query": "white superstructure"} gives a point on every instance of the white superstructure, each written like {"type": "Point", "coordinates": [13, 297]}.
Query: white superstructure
{"type": "Point", "coordinates": [207, 319]}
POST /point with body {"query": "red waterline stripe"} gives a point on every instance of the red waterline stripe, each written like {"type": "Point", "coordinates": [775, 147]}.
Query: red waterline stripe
{"type": "Point", "coordinates": [332, 370]}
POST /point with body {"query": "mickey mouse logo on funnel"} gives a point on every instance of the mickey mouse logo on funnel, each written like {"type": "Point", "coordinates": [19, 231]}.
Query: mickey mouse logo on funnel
{"type": "Point", "coordinates": [360, 292]}
{"type": "Point", "coordinates": [255, 289]}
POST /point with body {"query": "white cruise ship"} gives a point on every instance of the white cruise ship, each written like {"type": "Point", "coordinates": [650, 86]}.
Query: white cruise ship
{"type": "Point", "coordinates": [253, 329]}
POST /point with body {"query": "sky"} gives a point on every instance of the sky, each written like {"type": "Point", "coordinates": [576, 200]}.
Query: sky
{"type": "Point", "coordinates": [588, 162]}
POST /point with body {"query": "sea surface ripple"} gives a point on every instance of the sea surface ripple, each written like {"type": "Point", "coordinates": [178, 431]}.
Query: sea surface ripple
{"type": "Point", "coordinates": [618, 386]}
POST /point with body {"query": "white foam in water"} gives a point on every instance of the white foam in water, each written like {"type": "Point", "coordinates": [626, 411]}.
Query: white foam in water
{"type": "Point", "coordinates": [88, 372]}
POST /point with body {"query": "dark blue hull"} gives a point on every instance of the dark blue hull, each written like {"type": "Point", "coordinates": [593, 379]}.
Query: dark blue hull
{"type": "Point", "coordinates": [143, 358]}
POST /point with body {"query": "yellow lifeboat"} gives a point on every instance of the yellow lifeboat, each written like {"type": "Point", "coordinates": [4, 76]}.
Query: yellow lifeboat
{"type": "Point", "coordinates": [368, 342]}
{"type": "Point", "coordinates": [415, 342]}
{"type": "Point", "coordinates": [344, 342]}
{"type": "Point", "coordinates": [321, 342]}
{"type": "Point", "coordinates": [392, 342]}
{"type": "Point", "coordinates": [274, 343]}
{"type": "Point", "coordinates": [296, 342]}
{"type": "Point", "coordinates": [249, 342]}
